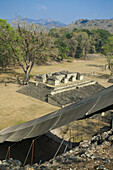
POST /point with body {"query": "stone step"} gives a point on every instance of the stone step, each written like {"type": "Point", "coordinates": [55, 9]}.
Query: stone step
{"type": "Point", "coordinates": [71, 87]}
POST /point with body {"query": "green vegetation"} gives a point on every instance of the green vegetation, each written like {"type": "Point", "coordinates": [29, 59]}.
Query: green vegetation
{"type": "Point", "coordinates": [106, 24]}
{"type": "Point", "coordinates": [79, 42]}
{"type": "Point", "coordinates": [108, 51]}
{"type": "Point", "coordinates": [28, 44]}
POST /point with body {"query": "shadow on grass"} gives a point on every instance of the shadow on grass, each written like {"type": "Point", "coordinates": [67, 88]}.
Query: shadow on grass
{"type": "Point", "coordinates": [102, 76]}
{"type": "Point", "coordinates": [95, 65]}
{"type": "Point", "coordinates": [10, 76]}
{"type": "Point", "coordinates": [99, 75]}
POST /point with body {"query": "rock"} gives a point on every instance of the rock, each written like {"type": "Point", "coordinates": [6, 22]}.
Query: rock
{"type": "Point", "coordinates": [71, 151]}
{"type": "Point", "coordinates": [92, 157]}
{"type": "Point", "coordinates": [110, 138]}
{"type": "Point", "coordinates": [85, 144]}
{"type": "Point", "coordinates": [28, 167]}
{"type": "Point", "coordinates": [43, 167]}
{"type": "Point", "coordinates": [58, 159]}
{"type": "Point", "coordinates": [88, 155]}
{"type": "Point", "coordinates": [53, 81]}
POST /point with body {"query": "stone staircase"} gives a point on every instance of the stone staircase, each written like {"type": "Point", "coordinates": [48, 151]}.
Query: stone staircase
{"type": "Point", "coordinates": [68, 87]}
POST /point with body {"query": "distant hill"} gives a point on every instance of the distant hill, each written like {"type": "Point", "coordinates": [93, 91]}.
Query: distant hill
{"type": "Point", "coordinates": [106, 24]}
{"type": "Point", "coordinates": [45, 22]}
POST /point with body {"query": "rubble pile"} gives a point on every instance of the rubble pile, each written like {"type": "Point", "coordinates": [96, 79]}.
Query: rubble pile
{"type": "Point", "coordinates": [95, 153]}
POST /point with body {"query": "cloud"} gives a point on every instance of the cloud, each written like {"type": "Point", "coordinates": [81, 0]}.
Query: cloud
{"type": "Point", "coordinates": [41, 7]}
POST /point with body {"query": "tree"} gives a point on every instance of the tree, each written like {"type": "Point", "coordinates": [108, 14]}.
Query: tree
{"type": "Point", "coordinates": [5, 49]}
{"type": "Point", "coordinates": [83, 45]}
{"type": "Point", "coordinates": [72, 45]}
{"type": "Point", "coordinates": [28, 44]}
{"type": "Point", "coordinates": [108, 51]}
{"type": "Point", "coordinates": [5, 58]}
{"type": "Point", "coordinates": [99, 38]}
{"type": "Point", "coordinates": [62, 47]}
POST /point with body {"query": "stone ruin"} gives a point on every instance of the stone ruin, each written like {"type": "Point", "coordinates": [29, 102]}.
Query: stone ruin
{"type": "Point", "coordinates": [59, 77]}
{"type": "Point", "coordinates": [61, 88]}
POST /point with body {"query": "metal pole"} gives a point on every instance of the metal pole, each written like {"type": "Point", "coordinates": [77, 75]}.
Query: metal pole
{"type": "Point", "coordinates": [58, 149]}
{"type": "Point", "coordinates": [9, 152]}
{"type": "Point", "coordinates": [32, 152]}
{"type": "Point", "coordinates": [70, 140]}
{"type": "Point", "coordinates": [112, 122]}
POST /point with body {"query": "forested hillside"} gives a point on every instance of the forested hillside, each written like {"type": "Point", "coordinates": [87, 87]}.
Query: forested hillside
{"type": "Point", "coordinates": [106, 24]}
{"type": "Point", "coordinates": [77, 43]}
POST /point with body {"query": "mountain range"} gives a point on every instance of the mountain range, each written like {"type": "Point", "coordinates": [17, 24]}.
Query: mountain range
{"type": "Point", "coordinates": [51, 23]}
{"type": "Point", "coordinates": [106, 24]}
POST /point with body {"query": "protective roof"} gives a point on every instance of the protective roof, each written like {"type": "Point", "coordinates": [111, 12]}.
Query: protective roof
{"type": "Point", "coordinates": [58, 118]}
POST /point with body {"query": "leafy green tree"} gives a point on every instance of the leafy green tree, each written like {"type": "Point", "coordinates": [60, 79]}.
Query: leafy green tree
{"type": "Point", "coordinates": [5, 49]}
{"type": "Point", "coordinates": [99, 38]}
{"type": "Point", "coordinates": [108, 51]}
{"type": "Point", "coordinates": [83, 45]}
{"type": "Point", "coordinates": [72, 45]}
{"type": "Point", "coordinates": [5, 58]}
{"type": "Point", "coordinates": [53, 33]}
{"type": "Point", "coordinates": [69, 35]}
{"type": "Point", "coordinates": [28, 44]}
{"type": "Point", "coordinates": [63, 48]}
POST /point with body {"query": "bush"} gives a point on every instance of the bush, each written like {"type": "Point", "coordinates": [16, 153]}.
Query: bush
{"type": "Point", "coordinates": [70, 59]}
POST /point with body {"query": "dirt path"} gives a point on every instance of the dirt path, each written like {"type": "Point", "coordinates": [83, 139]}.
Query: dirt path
{"type": "Point", "coordinates": [16, 108]}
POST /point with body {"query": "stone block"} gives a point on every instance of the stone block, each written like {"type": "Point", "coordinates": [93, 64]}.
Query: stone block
{"type": "Point", "coordinates": [74, 74]}
{"type": "Point", "coordinates": [64, 72]}
{"type": "Point", "coordinates": [59, 77]}
{"type": "Point", "coordinates": [48, 75]}
{"type": "Point", "coordinates": [55, 73]}
{"type": "Point", "coordinates": [69, 75]}
{"type": "Point", "coordinates": [41, 78]}
{"type": "Point", "coordinates": [80, 76]}
{"type": "Point", "coordinates": [73, 78]}
{"type": "Point", "coordinates": [53, 81]}
{"type": "Point", "coordinates": [64, 80]}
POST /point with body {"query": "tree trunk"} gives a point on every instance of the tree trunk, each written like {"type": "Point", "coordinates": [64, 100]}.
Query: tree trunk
{"type": "Point", "coordinates": [26, 77]}
{"type": "Point", "coordinates": [109, 63]}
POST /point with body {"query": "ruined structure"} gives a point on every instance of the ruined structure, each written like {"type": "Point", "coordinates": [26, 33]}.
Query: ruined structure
{"type": "Point", "coordinates": [57, 78]}
{"type": "Point", "coordinates": [61, 88]}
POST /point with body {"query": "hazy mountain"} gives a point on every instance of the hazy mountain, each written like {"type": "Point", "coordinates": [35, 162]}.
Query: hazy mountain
{"type": "Point", "coordinates": [45, 22]}
{"type": "Point", "coordinates": [106, 24]}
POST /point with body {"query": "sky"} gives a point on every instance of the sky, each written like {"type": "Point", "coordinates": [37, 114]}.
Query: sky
{"type": "Point", "coordinates": [65, 11]}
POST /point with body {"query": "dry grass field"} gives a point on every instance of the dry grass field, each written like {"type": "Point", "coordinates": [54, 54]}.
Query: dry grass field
{"type": "Point", "coordinates": [17, 108]}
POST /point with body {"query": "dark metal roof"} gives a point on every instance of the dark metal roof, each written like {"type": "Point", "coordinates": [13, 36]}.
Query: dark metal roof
{"type": "Point", "coordinates": [58, 118]}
